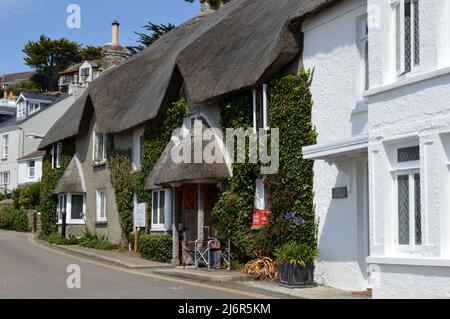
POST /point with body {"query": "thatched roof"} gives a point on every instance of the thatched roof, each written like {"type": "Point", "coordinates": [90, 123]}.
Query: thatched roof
{"type": "Point", "coordinates": [166, 171]}
{"type": "Point", "coordinates": [233, 49]}
{"type": "Point", "coordinates": [69, 124]}
{"type": "Point", "coordinates": [72, 180]}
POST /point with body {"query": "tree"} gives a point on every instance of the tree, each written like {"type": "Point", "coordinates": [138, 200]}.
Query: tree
{"type": "Point", "coordinates": [25, 86]}
{"type": "Point", "coordinates": [91, 53]}
{"type": "Point", "coordinates": [156, 32]}
{"type": "Point", "coordinates": [49, 57]}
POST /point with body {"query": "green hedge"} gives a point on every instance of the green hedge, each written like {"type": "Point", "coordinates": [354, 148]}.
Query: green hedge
{"type": "Point", "coordinates": [155, 247]}
{"type": "Point", "coordinates": [14, 219]}
{"type": "Point", "coordinates": [27, 196]}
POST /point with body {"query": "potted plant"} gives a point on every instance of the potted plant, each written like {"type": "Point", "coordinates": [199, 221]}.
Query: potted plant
{"type": "Point", "coordinates": [296, 263]}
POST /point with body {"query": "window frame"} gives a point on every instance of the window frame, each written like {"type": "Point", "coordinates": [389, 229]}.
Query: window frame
{"type": "Point", "coordinates": [31, 169]}
{"type": "Point", "coordinates": [265, 109]}
{"type": "Point", "coordinates": [94, 149]}
{"type": "Point", "coordinates": [167, 210]}
{"type": "Point", "coordinates": [56, 162]}
{"type": "Point", "coordinates": [33, 107]}
{"type": "Point", "coordinates": [98, 205]}
{"type": "Point", "coordinates": [68, 207]}
{"type": "Point", "coordinates": [138, 149]}
{"type": "Point", "coordinates": [2, 179]}
{"type": "Point", "coordinates": [363, 40]}
{"type": "Point", "coordinates": [5, 146]}
{"type": "Point", "coordinates": [399, 9]}
{"type": "Point", "coordinates": [412, 247]}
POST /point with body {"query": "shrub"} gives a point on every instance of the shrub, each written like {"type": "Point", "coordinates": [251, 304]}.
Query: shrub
{"type": "Point", "coordinates": [27, 196]}
{"type": "Point", "coordinates": [14, 219]}
{"type": "Point", "coordinates": [155, 247]}
{"type": "Point", "coordinates": [95, 241]}
{"type": "Point", "coordinates": [296, 254]}
{"type": "Point", "coordinates": [57, 239]}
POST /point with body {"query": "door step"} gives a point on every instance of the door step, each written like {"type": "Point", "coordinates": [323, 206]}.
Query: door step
{"type": "Point", "coordinates": [367, 293]}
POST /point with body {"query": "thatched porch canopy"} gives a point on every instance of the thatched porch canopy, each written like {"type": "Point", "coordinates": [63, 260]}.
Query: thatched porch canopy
{"type": "Point", "coordinates": [167, 172]}
{"type": "Point", "coordinates": [72, 181]}
{"type": "Point", "coordinates": [239, 46]}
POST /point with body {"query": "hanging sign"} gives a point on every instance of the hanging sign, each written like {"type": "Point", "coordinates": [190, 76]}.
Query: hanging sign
{"type": "Point", "coordinates": [262, 207]}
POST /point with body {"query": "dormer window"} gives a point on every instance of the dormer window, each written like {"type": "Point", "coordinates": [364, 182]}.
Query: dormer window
{"type": "Point", "coordinates": [85, 72]}
{"type": "Point", "coordinates": [407, 35]}
{"type": "Point", "coordinates": [21, 109]}
{"type": "Point", "coordinates": [261, 108]}
{"type": "Point", "coordinates": [33, 107]}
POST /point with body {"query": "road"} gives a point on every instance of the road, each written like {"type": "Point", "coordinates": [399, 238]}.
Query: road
{"type": "Point", "coordinates": [31, 270]}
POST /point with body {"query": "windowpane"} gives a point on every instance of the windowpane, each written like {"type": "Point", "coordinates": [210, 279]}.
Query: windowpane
{"type": "Point", "coordinates": [418, 210]}
{"type": "Point", "coordinates": [259, 107]}
{"type": "Point", "coordinates": [408, 36]}
{"type": "Point", "coordinates": [99, 145]}
{"type": "Point", "coordinates": [162, 201]}
{"type": "Point", "coordinates": [398, 36]}
{"type": "Point", "coordinates": [155, 208]}
{"type": "Point", "coordinates": [408, 154]}
{"type": "Point", "coordinates": [416, 32]}
{"type": "Point", "coordinates": [103, 204]}
{"type": "Point", "coordinates": [77, 207]}
{"type": "Point", "coordinates": [366, 64]}
{"type": "Point", "coordinates": [403, 210]}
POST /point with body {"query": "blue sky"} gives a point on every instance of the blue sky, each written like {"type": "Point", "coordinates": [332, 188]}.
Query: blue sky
{"type": "Point", "coordinates": [26, 20]}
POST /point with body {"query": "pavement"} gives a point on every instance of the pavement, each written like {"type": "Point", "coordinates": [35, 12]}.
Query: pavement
{"type": "Point", "coordinates": [31, 268]}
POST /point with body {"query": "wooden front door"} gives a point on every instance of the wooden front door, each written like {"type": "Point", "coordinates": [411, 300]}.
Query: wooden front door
{"type": "Point", "coordinates": [190, 211]}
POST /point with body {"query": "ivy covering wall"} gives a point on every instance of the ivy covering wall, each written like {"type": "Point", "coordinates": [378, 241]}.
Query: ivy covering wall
{"type": "Point", "coordinates": [48, 201]}
{"type": "Point", "coordinates": [126, 183]}
{"type": "Point", "coordinates": [291, 190]}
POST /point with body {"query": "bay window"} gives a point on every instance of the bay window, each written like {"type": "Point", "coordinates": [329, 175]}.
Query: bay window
{"type": "Point", "coordinates": [407, 35]}
{"type": "Point", "coordinates": [74, 206]}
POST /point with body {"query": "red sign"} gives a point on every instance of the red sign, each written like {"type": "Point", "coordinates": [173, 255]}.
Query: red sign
{"type": "Point", "coordinates": [260, 218]}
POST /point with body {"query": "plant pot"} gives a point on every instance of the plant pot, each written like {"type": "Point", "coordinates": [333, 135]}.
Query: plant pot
{"type": "Point", "coordinates": [296, 276]}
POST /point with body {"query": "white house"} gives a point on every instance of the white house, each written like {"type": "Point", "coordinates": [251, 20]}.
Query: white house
{"type": "Point", "coordinates": [81, 74]}
{"type": "Point", "coordinates": [382, 111]}
{"type": "Point", "coordinates": [21, 133]}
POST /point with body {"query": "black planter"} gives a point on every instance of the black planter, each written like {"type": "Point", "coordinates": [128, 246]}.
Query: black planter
{"type": "Point", "coordinates": [295, 276]}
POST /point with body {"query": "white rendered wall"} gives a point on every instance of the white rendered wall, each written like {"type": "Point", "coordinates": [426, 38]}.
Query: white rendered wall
{"type": "Point", "coordinates": [23, 176]}
{"type": "Point", "coordinates": [339, 112]}
{"type": "Point", "coordinates": [414, 108]}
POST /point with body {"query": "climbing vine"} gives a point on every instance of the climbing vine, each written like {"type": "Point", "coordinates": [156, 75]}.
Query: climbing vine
{"type": "Point", "coordinates": [50, 177]}
{"type": "Point", "coordinates": [156, 137]}
{"type": "Point", "coordinates": [290, 190]}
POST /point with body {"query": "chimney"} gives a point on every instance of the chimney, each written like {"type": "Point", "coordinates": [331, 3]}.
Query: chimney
{"type": "Point", "coordinates": [5, 94]}
{"type": "Point", "coordinates": [209, 6]}
{"type": "Point", "coordinates": [113, 53]}
{"type": "Point", "coordinates": [115, 33]}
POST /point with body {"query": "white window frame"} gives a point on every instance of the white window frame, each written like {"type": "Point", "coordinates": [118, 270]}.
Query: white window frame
{"type": "Point", "coordinates": [33, 107]}
{"type": "Point", "coordinates": [265, 109]}
{"type": "Point", "coordinates": [99, 212]}
{"type": "Point", "coordinates": [137, 156]}
{"type": "Point", "coordinates": [5, 146]}
{"type": "Point", "coordinates": [69, 220]}
{"type": "Point", "coordinates": [58, 149]}
{"type": "Point", "coordinates": [363, 39]}
{"type": "Point", "coordinates": [407, 168]}
{"type": "Point", "coordinates": [412, 247]}
{"type": "Point", "coordinates": [4, 182]}
{"type": "Point", "coordinates": [399, 37]}
{"type": "Point", "coordinates": [94, 148]}
{"type": "Point", "coordinates": [167, 210]}
{"type": "Point", "coordinates": [21, 109]}
{"type": "Point", "coordinates": [31, 169]}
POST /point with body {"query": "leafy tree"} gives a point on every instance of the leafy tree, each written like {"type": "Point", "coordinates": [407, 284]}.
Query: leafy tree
{"type": "Point", "coordinates": [91, 53]}
{"type": "Point", "coordinates": [25, 86]}
{"type": "Point", "coordinates": [49, 57]}
{"type": "Point", "coordinates": [156, 32]}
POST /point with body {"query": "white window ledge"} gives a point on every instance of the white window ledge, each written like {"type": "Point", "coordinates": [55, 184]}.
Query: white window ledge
{"type": "Point", "coordinates": [407, 81]}
{"type": "Point", "coordinates": [409, 261]}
